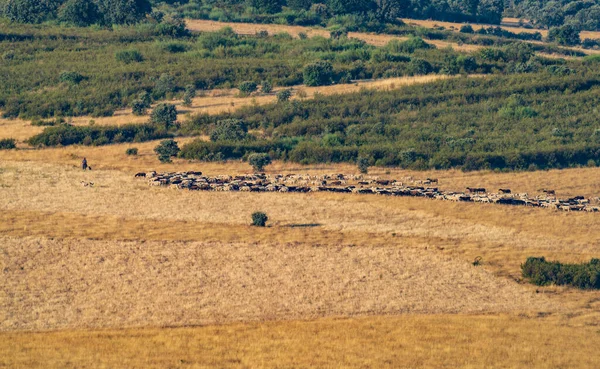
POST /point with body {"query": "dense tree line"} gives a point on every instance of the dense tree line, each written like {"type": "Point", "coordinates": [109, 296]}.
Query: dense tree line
{"type": "Point", "coordinates": [77, 12]}
{"type": "Point", "coordinates": [583, 15]}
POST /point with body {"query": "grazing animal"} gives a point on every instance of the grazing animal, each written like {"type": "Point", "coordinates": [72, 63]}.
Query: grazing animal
{"type": "Point", "coordinates": [432, 180]}
{"type": "Point", "coordinates": [476, 189]}
{"type": "Point", "coordinates": [549, 192]}
{"type": "Point", "coordinates": [141, 174]}
{"type": "Point", "coordinates": [504, 190]}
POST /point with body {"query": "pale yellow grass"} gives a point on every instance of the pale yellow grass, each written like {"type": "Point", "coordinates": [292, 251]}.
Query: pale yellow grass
{"type": "Point", "coordinates": [78, 284]}
{"type": "Point", "coordinates": [456, 27]}
{"type": "Point", "coordinates": [215, 102]}
{"type": "Point", "coordinates": [407, 341]}
{"type": "Point", "coordinates": [251, 29]}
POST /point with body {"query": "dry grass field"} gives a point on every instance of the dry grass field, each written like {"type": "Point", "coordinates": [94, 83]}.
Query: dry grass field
{"type": "Point", "coordinates": [370, 38]}
{"type": "Point", "coordinates": [124, 275]}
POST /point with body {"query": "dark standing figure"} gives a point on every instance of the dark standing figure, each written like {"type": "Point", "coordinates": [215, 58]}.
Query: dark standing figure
{"type": "Point", "coordinates": [84, 164]}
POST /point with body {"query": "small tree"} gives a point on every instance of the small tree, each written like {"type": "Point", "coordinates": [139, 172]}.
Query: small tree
{"type": "Point", "coordinates": [138, 107]}
{"type": "Point", "coordinates": [164, 85]}
{"type": "Point", "coordinates": [166, 150]}
{"type": "Point", "coordinates": [259, 161]}
{"type": "Point", "coordinates": [129, 56]}
{"type": "Point", "coordinates": [267, 87]}
{"type": "Point", "coordinates": [247, 87]}
{"type": "Point", "coordinates": [318, 74]}
{"type": "Point", "coordinates": [132, 151]}
{"type": "Point", "coordinates": [259, 219]}
{"type": "Point", "coordinates": [284, 95]}
{"type": "Point", "coordinates": [145, 97]}
{"type": "Point", "coordinates": [363, 164]}
{"type": "Point", "coordinates": [190, 93]}
{"type": "Point", "coordinates": [165, 114]}
{"type": "Point", "coordinates": [229, 130]}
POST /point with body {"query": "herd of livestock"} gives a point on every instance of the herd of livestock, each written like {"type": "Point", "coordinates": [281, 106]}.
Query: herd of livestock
{"type": "Point", "coordinates": [362, 184]}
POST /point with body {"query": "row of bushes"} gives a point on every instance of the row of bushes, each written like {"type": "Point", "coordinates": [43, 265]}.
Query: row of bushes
{"type": "Point", "coordinates": [65, 134]}
{"type": "Point", "coordinates": [542, 272]}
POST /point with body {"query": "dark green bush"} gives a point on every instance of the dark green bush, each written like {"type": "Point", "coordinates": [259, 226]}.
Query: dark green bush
{"type": "Point", "coordinates": [247, 87]}
{"type": "Point", "coordinates": [284, 95]}
{"type": "Point", "coordinates": [166, 150]}
{"type": "Point", "coordinates": [65, 134]}
{"type": "Point", "coordinates": [363, 164]}
{"type": "Point", "coordinates": [131, 151]}
{"type": "Point", "coordinates": [542, 272]}
{"type": "Point", "coordinates": [318, 74]}
{"type": "Point", "coordinates": [71, 77]}
{"type": "Point", "coordinates": [164, 114]}
{"type": "Point", "coordinates": [259, 161]}
{"type": "Point", "coordinates": [8, 144]}
{"type": "Point", "coordinates": [229, 130]}
{"type": "Point", "coordinates": [129, 56]}
{"type": "Point", "coordinates": [259, 219]}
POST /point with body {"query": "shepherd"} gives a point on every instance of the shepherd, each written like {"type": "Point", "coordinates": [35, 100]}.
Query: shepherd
{"type": "Point", "coordinates": [84, 164]}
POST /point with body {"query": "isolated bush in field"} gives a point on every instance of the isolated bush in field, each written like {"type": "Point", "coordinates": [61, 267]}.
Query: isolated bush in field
{"type": "Point", "coordinates": [71, 77]}
{"type": "Point", "coordinates": [8, 144]}
{"type": "Point", "coordinates": [247, 87]}
{"type": "Point", "coordinates": [138, 107]}
{"type": "Point", "coordinates": [302, 36]}
{"type": "Point", "coordinates": [466, 29]}
{"type": "Point", "coordinates": [190, 93]}
{"type": "Point", "coordinates": [259, 161]}
{"type": "Point", "coordinates": [164, 85]}
{"type": "Point", "coordinates": [166, 150]}
{"type": "Point", "coordinates": [132, 151]}
{"type": "Point", "coordinates": [129, 56]}
{"type": "Point", "coordinates": [229, 130]}
{"type": "Point", "coordinates": [266, 87]}
{"type": "Point", "coordinates": [80, 13]}
{"type": "Point", "coordinates": [284, 95]}
{"type": "Point", "coordinates": [164, 114]}
{"type": "Point", "coordinates": [318, 74]}
{"type": "Point", "coordinates": [363, 164]}
{"type": "Point", "coordinates": [259, 219]}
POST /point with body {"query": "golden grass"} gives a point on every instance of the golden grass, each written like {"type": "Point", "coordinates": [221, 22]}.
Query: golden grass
{"type": "Point", "coordinates": [456, 27]}
{"type": "Point", "coordinates": [370, 38]}
{"type": "Point", "coordinates": [407, 341]}
{"type": "Point", "coordinates": [252, 29]}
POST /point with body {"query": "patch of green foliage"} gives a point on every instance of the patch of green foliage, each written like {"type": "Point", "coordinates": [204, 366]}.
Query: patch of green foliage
{"type": "Point", "coordinates": [259, 219]}
{"type": "Point", "coordinates": [542, 272]}
{"type": "Point", "coordinates": [166, 150]}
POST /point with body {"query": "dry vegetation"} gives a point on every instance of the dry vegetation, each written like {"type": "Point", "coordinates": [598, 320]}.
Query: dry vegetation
{"type": "Point", "coordinates": [214, 102]}
{"type": "Point", "coordinates": [370, 38]}
{"type": "Point", "coordinates": [358, 280]}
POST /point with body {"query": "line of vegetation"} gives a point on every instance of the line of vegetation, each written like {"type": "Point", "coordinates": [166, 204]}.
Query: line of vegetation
{"type": "Point", "coordinates": [542, 273]}
{"type": "Point", "coordinates": [52, 72]}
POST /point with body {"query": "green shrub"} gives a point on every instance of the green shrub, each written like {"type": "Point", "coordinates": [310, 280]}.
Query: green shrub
{"type": "Point", "coordinates": [71, 77]}
{"type": "Point", "coordinates": [164, 114]}
{"type": "Point", "coordinates": [259, 161]}
{"type": "Point", "coordinates": [229, 130]}
{"type": "Point", "coordinates": [259, 219]}
{"type": "Point", "coordinates": [466, 29]}
{"type": "Point", "coordinates": [132, 151]}
{"type": "Point", "coordinates": [129, 56]}
{"type": "Point", "coordinates": [8, 144]}
{"type": "Point", "coordinates": [166, 150]}
{"type": "Point", "coordinates": [247, 87]}
{"type": "Point", "coordinates": [80, 13]}
{"type": "Point", "coordinates": [318, 74]}
{"type": "Point", "coordinates": [138, 107]}
{"type": "Point", "coordinates": [284, 95]}
{"type": "Point", "coordinates": [542, 272]}
{"type": "Point", "coordinates": [363, 164]}
{"type": "Point", "coordinates": [164, 85]}
{"type": "Point", "coordinates": [266, 87]}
